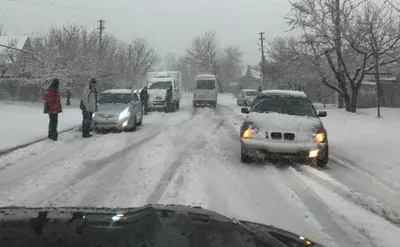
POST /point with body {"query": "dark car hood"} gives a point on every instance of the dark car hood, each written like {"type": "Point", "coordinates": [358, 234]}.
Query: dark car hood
{"type": "Point", "coordinates": [151, 225]}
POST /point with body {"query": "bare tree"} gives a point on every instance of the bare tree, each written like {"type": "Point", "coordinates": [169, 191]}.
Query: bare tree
{"type": "Point", "coordinates": [204, 56]}
{"type": "Point", "coordinates": [143, 57]}
{"type": "Point", "coordinates": [170, 61]}
{"type": "Point", "coordinates": [380, 35]}
{"type": "Point", "coordinates": [230, 63]}
{"type": "Point", "coordinates": [71, 53]}
{"type": "Point", "coordinates": [7, 57]}
{"type": "Point", "coordinates": [331, 33]}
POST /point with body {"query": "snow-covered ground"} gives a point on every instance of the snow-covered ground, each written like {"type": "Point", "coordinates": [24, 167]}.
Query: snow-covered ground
{"type": "Point", "coordinates": [25, 122]}
{"type": "Point", "coordinates": [191, 157]}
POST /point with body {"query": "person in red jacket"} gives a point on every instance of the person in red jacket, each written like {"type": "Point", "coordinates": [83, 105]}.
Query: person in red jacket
{"type": "Point", "coordinates": [54, 107]}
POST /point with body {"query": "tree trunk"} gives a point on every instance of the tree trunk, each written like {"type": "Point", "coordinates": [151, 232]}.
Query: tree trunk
{"type": "Point", "coordinates": [351, 103]}
{"type": "Point", "coordinates": [378, 87]}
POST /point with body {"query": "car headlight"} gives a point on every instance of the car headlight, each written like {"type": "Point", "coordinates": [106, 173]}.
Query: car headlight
{"type": "Point", "coordinates": [249, 131]}
{"type": "Point", "coordinates": [124, 114]}
{"type": "Point", "coordinates": [319, 136]}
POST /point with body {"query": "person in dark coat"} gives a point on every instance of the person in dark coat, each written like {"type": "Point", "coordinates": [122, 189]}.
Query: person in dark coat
{"type": "Point", "coordinates": [144, 98]}
{"type": "Point", "coordinates": [259, 89]}
{"type": "Point", "coordinates": [168, 99]}
{"type": "Point", "coordinates": [68, 96]}
{"type": "Point", "coordinates": [88, 105]}
{"type": "Point", "coordinates": [53, 102]}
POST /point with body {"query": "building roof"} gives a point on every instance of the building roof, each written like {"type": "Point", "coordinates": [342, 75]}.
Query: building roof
{"type": "Point", "coordinates": [9, 40]}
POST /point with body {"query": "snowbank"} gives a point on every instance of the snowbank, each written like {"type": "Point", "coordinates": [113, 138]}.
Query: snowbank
{"type": "Point", "coordinates": [25, 122]}
{"type": "Point", "coordinates": [369, 142]}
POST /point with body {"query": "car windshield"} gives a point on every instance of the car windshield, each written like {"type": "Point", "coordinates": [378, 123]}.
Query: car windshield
{"type": "Point", "coordinates": [251, 93]}
{"type": "Point", "coordinates": [205, 84]}
{"type": "Point", "coordinates": [115, 98]}
{"type": "Point", "coordinates": [285, 105]}
{"type": "Point", "coordinates": [161, 85]}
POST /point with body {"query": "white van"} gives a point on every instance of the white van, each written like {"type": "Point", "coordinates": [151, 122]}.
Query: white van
{"type": "Point", "coordinates": [205, 91]}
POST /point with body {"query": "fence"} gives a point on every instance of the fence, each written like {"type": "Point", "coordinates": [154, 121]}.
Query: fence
{"type": "Point", "coordinates": [19, 89]}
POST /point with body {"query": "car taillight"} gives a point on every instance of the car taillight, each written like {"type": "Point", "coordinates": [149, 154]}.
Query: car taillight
{"type": "Point", "coordinates": [320, 136]}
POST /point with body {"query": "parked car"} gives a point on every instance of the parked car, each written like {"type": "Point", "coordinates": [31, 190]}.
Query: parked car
{"type": "Point", "coordinates": [119, 109]}
{"type": "Point", "coordinates": [246, 97]}
{"type": "Point", "coordinates": [205, 93]}
{"type": "Point", "coordinates": [284, 123]}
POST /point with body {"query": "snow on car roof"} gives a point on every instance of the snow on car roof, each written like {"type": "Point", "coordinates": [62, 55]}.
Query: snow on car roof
{"type": "Point", "coordinates": [158, 79]}
{"type": "Point", "coordinates": [117, 91]}
{"type": "Point", "coordinates": [206, 76]}
{"type": "Point", "coordinates": [285, 92]}
{"type": "Point", "coordinates": [249, 90]}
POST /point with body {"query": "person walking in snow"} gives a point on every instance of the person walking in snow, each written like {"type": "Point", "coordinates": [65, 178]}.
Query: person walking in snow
{"type": "Point", "coordinates": [144, 98]}
{"type": "Point", "coordinates": [259, 89]}
{"type": "Point", "coordinates": [68, 97]}
{"type": "Point", "coordinates": [53, 107]}
{"type": "Point", "coordinates": [88, 105]}
{"type": "Point", "coordinates": [168, 99]}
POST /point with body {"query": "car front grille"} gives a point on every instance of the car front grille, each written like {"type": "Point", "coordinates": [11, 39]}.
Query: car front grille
{"type": "Point", "coordinates": [278, 136]}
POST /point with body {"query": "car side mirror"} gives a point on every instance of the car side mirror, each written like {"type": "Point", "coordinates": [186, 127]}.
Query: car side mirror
{"type": "Point", "coordinates": [245, 110]}
{"type": "Point", "coordinates": [322, 114]}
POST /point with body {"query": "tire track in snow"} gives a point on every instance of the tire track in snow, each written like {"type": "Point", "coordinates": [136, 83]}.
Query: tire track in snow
{"type": "Point", "coordinates": [118, 159]}
{"type": "Point", "coordinates": [184, 154]}
{"type": "Point", "coordinates": [350, 165]}
{"type": "Point", "coordinates": [368, 225]}
{"type": "Point", "coordinates": [367, 202]}
{"type": "Point", "coordinates": [41, 161]}
{"type": "Point", "coordinates": [339, 228]}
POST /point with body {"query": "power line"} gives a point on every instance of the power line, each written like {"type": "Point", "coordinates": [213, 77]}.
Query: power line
{"type": "Point", "coordinates": [146, 13]}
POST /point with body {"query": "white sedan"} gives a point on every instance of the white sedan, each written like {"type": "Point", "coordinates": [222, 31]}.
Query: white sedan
{"type": "Point", "coordinates": [284, 123]}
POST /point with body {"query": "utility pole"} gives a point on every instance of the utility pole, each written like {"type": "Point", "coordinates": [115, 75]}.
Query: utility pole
{"type": "Point", "coordinates": [264, 85]}
{"type": "Point", "coordinates": [130, 62]}
{"type": "Point", "coordinates": [101, 27]}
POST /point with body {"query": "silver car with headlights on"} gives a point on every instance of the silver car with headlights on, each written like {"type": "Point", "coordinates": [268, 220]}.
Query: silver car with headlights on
{"type": "Point", "coordinates": [284, 124]}
{"type": "Point", "coordinates": [118, 109]}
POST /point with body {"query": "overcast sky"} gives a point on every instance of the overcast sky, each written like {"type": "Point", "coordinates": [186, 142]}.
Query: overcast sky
{"type": "Point", "coordinates": [168, 25]}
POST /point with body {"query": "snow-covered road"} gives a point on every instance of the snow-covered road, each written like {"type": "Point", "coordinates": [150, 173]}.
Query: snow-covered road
{"type": "Point", "coordinates": [191, 157]}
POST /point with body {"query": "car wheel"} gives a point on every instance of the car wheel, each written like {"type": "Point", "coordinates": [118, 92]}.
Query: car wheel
{"type": "Point", "coordinates": [324, 160]}
{"type": "Point", "coordinates": [243, 156]}
{"type": "Point", "coordinates": [141, 120]}
{"type": "Point", "coordinates": [133, 128]}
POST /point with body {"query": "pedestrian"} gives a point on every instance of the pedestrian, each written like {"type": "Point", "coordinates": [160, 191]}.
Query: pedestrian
{"type": "Point", "coordinates": [259, 89]}
{"type": "Point", "coordinates": [53, 107]}
{"type": "Point", "coordinates": [88, 105]}
{"type": "Point", "coordinates": [168, 99]}
{"type": "Point", "coordinates": [144, 98]}
{"type": "Point", "coordinates": [68, 97]}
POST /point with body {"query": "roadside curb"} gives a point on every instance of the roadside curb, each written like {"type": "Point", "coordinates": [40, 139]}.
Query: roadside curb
{"type": "Point", "coordinates": [12, 149]}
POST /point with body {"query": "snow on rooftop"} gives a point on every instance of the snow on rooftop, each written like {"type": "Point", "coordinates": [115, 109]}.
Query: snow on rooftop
{"type": "Point", "coordinates": [285, 92]}
{"type": "Point", "coordinates": [9, 40]}
{"type": "Point", "coordinates": [117, 91]}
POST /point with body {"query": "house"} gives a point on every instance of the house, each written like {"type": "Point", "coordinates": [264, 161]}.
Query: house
{"type": "Point", "coordinates": [15, 62]}
{"type": "Point", "coordinates": [390, 91]}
